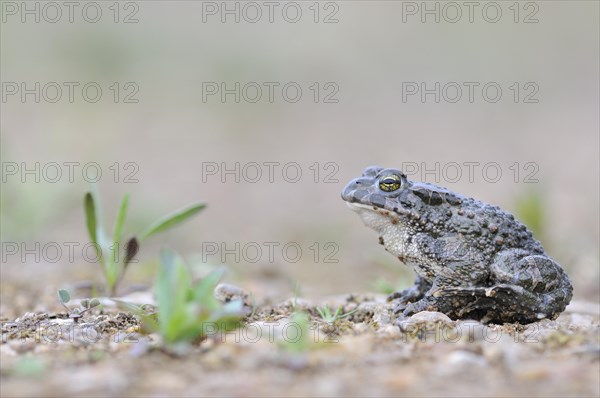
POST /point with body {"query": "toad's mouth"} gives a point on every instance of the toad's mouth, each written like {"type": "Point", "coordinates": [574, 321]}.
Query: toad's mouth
{"type": "Point", "coordinates": [374, 203]}
{"type": "Point", "coordinates": [365, 209]}
{"type": "Point", "coordinates": [359, 206]}
{"type": "Point", "coordinates": [374, 217]}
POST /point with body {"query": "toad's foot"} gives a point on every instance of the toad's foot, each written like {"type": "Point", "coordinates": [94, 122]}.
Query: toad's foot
{"type": "Point", "coordinates": [414, 293]}
{"type": "Point", "coordinates": [500, 303]}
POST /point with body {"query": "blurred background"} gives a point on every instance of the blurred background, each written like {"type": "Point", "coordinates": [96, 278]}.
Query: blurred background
{"type": "Point", "coordinates": [354, 83]}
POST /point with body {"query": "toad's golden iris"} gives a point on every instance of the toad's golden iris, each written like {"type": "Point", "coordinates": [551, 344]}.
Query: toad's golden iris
{"type": "Point", "coordinates": [390, 183]}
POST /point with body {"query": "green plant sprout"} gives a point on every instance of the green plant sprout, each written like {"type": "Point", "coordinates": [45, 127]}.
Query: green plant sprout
{"type": "Point", "coordinates": [295, 301]}
{"type": "Point", "coordinates": [186, 311]}
{"type": "Point", "coordinates": [403, 278]}
{"type": "Point", "coordinates": [29, 366]}
{"type": "Point", "coordinates": [76, 312]}
{"type": "Point", "coordinates": [301, 343]}
{"type": "Point", "coordinates": [530, 209]}
{"type": "Point", "coordinates": [328, 317]}
{"type": "Point", "coordinates": [113, 265]}
{"type": "Point", "coordinates": [382, 285]}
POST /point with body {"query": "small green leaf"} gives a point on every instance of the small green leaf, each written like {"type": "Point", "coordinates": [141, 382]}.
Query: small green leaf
{"type": "Point", "coordinates": [30, 367]}
{"type": "Point", "coordinates": [296, 295]}
{"type": "Point", "coordinates": [90, 216]}
{"type": "Point", "coordinates": [85, 303]}
{"type": "Point", "coordinates": [172, 286]}
{"type": "Point", "coordinates": [337, 312]}
{"type": "Point", "coordinates": [149, 323]}
{"type": "Point", "coordinates": [530, 208]}
{"type": "Point", "coordinates": [121, 218]}
{"type": "Point", "coordinates": [163, 284]}
{"type": "Point", "coordinates": [347, 314]}
{"type": "Point", "coordinates": [184, 311]}
{"type": "Point", "coordinates": [232, 310]}
{"type": "Point", "coordinates": [203, 292]}
{"type": "Point", "coordinates": [124, 305]}
{"type": "Point", "coordinates": [93, 212]}
{"type": "Point", "coordinates": [94, 303]}
{"type": "Point", "coordinates": [321, 313]}
{"type": "Point", "coordinates": [64, 296]}
{"type": "Point", "coordinates": [171, 220]}
{"type": "Point", "coordinates": [301, 342]}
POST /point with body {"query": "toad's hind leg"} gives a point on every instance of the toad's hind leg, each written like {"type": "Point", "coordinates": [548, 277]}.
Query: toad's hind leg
{"type": "Point", "coordinates": [543, 286]}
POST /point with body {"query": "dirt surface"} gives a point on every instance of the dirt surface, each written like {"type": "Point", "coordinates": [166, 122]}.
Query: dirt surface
{"type": "Point", "coordinates": [364, 354]}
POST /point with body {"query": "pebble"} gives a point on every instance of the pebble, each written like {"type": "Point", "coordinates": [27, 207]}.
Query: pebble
{"type": "Point", "coordinates": [390, 330]}
{"type": "Point", "coordinates": [464, 358]}
{"type": "Point", "coordinates": [423, 318]}
{"type": "Point", "coordinates": [7, 350]}
{"type": "Point", "coordinates": [360, 328]}
{"type": "Point", "coordinates": [225, 293]}
{"type": "Point", "coordinates": [579, 321]}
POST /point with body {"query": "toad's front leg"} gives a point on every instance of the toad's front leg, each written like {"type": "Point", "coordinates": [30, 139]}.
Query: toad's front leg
{"type": "Point", "coordinates": [414, 293]}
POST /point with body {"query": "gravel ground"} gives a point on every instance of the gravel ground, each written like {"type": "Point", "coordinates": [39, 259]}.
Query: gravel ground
{"type": "Point", "coordinates": [364, 354]}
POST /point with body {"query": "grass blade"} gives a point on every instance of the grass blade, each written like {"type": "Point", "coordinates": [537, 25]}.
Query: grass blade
{"type": "Point", "coordinates": [172, 287]}
{"type": "Point", "coordinates": [171, 220]}
{"type": "Point", "coordinates": [163, 285]}
{"type": "Point", "coordinates": [121, 218]}
{"type": "Point", "coordinates": [124, 305]}
{"type": "Point", "coordinates": [90, 216]}
{"type": "Point", "coordinates": [93, 215]}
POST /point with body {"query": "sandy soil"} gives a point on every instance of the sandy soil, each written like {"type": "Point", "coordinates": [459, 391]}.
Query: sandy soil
{"type": "Point", "coordinates": [364, 354]}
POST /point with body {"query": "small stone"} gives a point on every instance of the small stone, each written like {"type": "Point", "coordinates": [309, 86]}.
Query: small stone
{"type": "Point", "coordinates": [7, 350]}
{"type": "Point", "coordinates": [462, 358]}
{"type": "Point", "coordinates": [360, 328]}
{"type": "Point", "coordinates": [579, 321]}
{"type": "Point", "coordinates": [226, 293]}
{"type": "Point", "coordinates": [426, 323]}
{"type": "Point", "coordinates": [426, 317]}
{"type": "Point", "coordinates": [390, 330]}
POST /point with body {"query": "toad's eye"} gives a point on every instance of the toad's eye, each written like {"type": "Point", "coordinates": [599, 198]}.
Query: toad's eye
{"type": "Point", "coordinates": [390, 183]}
